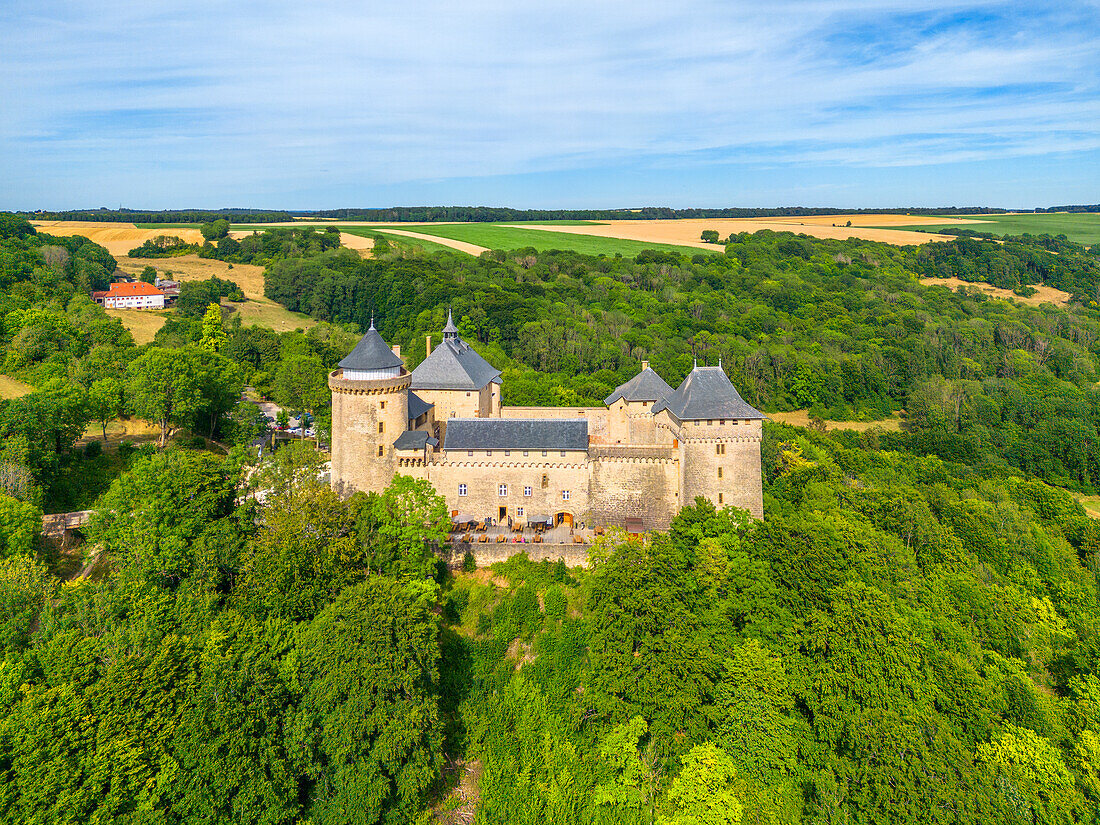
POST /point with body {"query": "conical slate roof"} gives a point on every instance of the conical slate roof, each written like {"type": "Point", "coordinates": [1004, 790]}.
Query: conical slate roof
{"type": "Point", "coordinates": [707, 393]}
{"type": "Point", "coordinates": [453, 365]}
{"type": "Point", "coordinates": [450, 329]}
{"type": "Point", "coordinates": [371, 353]}
{"type": "Point", "coordinates": [645, 386]}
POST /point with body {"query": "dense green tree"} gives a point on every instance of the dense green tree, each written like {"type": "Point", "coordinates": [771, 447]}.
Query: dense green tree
{"type": "Point", "coordinates": [163, 388]}
{"type": "Point", "coordinates": [367, 730]}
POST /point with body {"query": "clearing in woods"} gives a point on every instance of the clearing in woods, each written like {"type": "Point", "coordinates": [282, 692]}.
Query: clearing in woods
{"type": "Point", "coordinates": [801, 418]}
{"type": "Point", "coordinates": [13, 387]}
{"type": "Point", "coordinates": [1043, 294]}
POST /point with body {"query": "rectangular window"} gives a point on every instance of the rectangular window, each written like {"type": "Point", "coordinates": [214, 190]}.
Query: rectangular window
{"type": "Point", "coordinates": [719, 472]}
{"type": "Point", "coordinates": [462, 489]}
{"type": "Point", "coordinates": [502, 490]}
{"type": "Point", "coordinates": [525, 452]}
{"type": "Point", "coordinates": [488, 452]}
{"type": "Point", "coordinates": [469, 452]}
{"type": "Point", "coordinates": [519, 511]}
{"type": "Point", "coordinates": [379, 449]}
{"type": "Point", "coordinates": [544, 452]}
{"type": "Point", "coordinates": [563, 453]}
{"type": "Point", "coordinates": [710, 422]}
{"type": "Point", "coordinates": [527, 491]}
{"type": "Point", "coordinates": [382, 405]}
{"type": "Point", "coordinates": [467, 395]}
{"type": "Point", "coordinates": [565, 495]}
{"type": "Point", "coordinates": [381, 426]}
{"type": "Point", "coordinates": [507, 452]}
{"type": "Point", "coordinates": [719, 498]}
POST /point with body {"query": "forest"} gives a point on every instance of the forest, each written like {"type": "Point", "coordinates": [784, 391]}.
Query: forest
{"type": "Point", "coordinates": [910, 634]}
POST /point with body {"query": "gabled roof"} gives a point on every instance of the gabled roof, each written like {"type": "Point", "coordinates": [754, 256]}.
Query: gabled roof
{"type": "Point", "coordinates": [128, 290]}
{"type": "Point", "coordinates": [516, 434]}
{"type": "Point", "coordinates": [707, 393]}
{"type": "Point", "coordinates": [414, 440]}
{"type": "Point", "coordinates": [454, 365]}
{"type": "Point", "coordinates": [371, 353]}
{"type": "Point", "coordinates": [417, 406]}
{"type": "Point", "coordinates": [645, 386]}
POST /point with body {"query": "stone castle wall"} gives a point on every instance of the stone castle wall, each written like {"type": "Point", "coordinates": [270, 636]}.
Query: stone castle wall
{"type": "Point", "coordinates": [547, 478]}
{"type": "Point", "coordinates": [730, 477]}
{"type": "Point", "coordinates": [634, 483]}
{"type": "Point", "coordinates": [358, 408]}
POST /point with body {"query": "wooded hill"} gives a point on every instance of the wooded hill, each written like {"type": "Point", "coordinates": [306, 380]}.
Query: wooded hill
{"type": "Point", "coordinates": [910, 635]}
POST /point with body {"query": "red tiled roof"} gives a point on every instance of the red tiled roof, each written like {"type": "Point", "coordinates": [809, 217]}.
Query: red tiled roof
{"type": "Point", "coordinates": [128, 290]}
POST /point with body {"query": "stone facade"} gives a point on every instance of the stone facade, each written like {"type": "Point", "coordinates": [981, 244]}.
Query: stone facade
{"type": "Point", "coordinates": [645, 458]}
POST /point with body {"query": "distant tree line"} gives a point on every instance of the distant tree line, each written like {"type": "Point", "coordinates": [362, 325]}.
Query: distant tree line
{"type": "Point", "coordinates": [161, 216]}
{"type": "Point", "coordinates": [398, 214]}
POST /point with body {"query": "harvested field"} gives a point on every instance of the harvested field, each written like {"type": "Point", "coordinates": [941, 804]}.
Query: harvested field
{"type": "Point", "coordinates": [358, 243]}
{"type": "Point", "coordinates": [13, 387]}
{"type": "Point", "coordinates": [801, 418]}
{"type": "Point", "coordinates": [117, 238]}
{"type": "Point", "coordinates": [142, 324]}
{"type": "Point", "coordinates": [1043, 294]}
{"type": "Point", "coordinates": [686, 232]}
{"type": "Point", "coordinates": [257, 310]}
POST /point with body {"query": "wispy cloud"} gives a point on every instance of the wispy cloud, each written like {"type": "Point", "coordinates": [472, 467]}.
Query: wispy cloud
{"type": "Point", "coordinates": [212, 103]}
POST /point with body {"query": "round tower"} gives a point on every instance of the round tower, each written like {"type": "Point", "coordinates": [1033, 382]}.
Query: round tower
{"type": "Point", "coordinates": [370, 409]}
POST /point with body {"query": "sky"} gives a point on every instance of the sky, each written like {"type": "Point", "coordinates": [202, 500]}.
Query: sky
{"type": "Point", "coordinates": [555, 104]}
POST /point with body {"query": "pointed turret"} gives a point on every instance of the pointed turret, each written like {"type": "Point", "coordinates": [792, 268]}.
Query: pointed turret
{"type": "Point", "coordinates": [707, 393]}
{"type": "Point", "coordinates": [371, 355]}
{"type": "Point", "coordinates": [450, 331]}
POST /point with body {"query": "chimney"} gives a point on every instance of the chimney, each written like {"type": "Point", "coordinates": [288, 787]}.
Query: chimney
{"type": "Point", "coordinates": [396, 350]}
{"type": "Point", "coordinates": [428, 347]}
{"type": "Point", "coordinates": [645, 366]}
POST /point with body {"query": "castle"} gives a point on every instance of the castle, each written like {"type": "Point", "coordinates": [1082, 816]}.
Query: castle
{"type": "Point", "coordinates": [631, 463]}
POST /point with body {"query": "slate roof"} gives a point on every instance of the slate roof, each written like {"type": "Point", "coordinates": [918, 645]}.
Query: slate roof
{"type": "Point", "coordinates": [454, 365]}
{"type": "Point", "coordinates": [371, 353]}
{"type": "Point", "coordinates": [414, 440]}
{"type": "Point", "coordinates": [645, 386]}
{"type": "Point", "coordinates": [516, 434]}
{"type": "Point", "coordinates": [417, 406]}
{"type": "Point", "coordinates": [707, 393]}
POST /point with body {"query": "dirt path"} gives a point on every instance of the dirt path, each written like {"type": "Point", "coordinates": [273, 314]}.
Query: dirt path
{"type": "Point", "coordinates": [461, 246]}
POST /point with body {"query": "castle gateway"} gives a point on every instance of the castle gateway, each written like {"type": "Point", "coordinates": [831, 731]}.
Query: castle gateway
{"type": "Point", "coordinates": [632, 463]}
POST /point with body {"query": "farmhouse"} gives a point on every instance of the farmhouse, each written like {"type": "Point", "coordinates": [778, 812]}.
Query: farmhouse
{"type": "Point", "coordinates": [633, 462]}
{"type": "Point", "coordinates": [132, 295]}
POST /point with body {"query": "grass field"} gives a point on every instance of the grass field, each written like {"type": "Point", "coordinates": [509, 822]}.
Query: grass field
{"type": "Point", "coordinates": [142, 324]}
{"type": "Point", "coordinates": [256, 310]}
{"type": "Point", "coordinates": [801, 418]}
{"type": "Point", "coordinates": [496, 236]}
{"type": "Point", "coordinates": [13, 387]}
{"type": "Point", "coordinates": [370, 231]}
{"type": "Point", "coordinates": [1082, 227]}
{"type": "Point", "coordinates": [1090, 503]}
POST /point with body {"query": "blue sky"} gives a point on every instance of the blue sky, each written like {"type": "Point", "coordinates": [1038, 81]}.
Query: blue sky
{"type": "Point", "coordinates": [555, 104]}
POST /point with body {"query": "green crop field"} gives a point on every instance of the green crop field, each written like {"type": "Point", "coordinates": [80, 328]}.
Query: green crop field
{"type": "Point", "coordinates": [370, 232]}
{"type": "Point", "coordinates": [1082, 227]}
{"type": "Point", "coordinates": [499, 236]}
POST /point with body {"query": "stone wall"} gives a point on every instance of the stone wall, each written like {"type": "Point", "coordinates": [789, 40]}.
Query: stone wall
{"type": "Point", "coordinates": [634, 483]}
{"type": "Point", "coordinates": [358, 408]}
{"type": "Point", "coordinates": [547, 478]}
{"type": "Point", "coordinates": [574, 555]}
{"type": "Point", "coordinates": [458, 403]}
{"type": "Point", "coordinates": [739, 483]}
